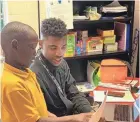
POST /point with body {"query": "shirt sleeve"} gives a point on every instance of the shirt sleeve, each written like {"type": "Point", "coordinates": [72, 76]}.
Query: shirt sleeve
{"type": "Point", "coordinates": [81, 104]}
{"type": "Point", "coordinates": [22, 106]}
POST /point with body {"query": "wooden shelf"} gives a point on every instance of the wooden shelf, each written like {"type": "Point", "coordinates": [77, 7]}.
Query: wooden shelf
{"type": "Point", "coordinates": [101, 21]}
{"type": "Point", "coordinates": [97, 54]}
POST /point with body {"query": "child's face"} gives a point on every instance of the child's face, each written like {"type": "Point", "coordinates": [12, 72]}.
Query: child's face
{"type": "Point", "coordinates": [26, 51]}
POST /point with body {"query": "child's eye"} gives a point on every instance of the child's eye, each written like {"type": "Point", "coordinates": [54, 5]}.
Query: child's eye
{"type": "Point", "coordinates": [32, 46]}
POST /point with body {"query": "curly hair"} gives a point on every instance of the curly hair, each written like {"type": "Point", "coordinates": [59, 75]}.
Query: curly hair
{"type": "Point", "coordinates": [53, 27]}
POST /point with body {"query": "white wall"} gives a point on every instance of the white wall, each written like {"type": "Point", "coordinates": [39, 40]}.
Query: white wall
{"type": "Point", "coordinates": [23, 11]}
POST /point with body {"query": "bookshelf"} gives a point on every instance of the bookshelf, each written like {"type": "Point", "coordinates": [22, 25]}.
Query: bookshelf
{"type": "Point", "coordinates": [90, 55]}
{"type": "Point", "coordinates": [78, 63]}
{"type": "Point", "coordinates": [101, 21]}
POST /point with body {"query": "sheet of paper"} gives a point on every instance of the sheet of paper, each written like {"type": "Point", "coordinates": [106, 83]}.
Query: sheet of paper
{"type": "Point", "coordinates": [98, 114]}
{"type": "Point", "coordinates": [62, 10]}
{"type": "Point", "coordinates": [84, 87]}
{"type": "Point", "coordinates": [99, 95]}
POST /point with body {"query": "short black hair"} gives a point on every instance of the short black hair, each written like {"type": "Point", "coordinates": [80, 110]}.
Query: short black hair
{"type": "Point", "coordinates": [53, 27]}
{"type": "Point", "coordinates": [16, 30]}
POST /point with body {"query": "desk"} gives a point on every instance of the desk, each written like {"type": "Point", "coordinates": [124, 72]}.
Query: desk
{"type": "Point", "coordinates": [110, 108]}
{"type": "Point", "coordinates": [134, 108]}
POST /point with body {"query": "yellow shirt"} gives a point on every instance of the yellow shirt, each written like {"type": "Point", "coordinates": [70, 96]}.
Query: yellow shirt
{"type": "Point", "coordinates": [22, 99]}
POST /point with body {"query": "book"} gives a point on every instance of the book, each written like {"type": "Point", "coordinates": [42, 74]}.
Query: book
{"type": "Point", "coordinates": [70, 50]}
{"type": "Point", "coordinates": [114, 7]}
{"type": "Point", "coordinates": [122, 32]}
{"type": "Point", "coordinates": [128, 37]}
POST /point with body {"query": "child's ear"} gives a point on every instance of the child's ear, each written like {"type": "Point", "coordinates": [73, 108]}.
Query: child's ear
{"type": "Point", "coordinates": [14, 44]}
{"type": "Point", "coordinates": [40, 43]}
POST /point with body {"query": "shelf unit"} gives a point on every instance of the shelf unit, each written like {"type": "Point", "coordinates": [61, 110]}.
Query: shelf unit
{"type": "Point", "coordinates": [101, 21]}
{"type": "Point", "coordinates": [89, 55]}
{"type": "Point", "coordinates": [78, 63]}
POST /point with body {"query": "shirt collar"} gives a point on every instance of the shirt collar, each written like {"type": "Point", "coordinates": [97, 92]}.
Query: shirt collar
{"type": "Point", "coordinates": [51, 67]}
{"type": "Point", "coordinates": [17, 72]}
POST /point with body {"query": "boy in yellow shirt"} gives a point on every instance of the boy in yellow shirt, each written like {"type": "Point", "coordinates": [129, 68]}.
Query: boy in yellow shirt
{"type": "Point", "coordinates": [22, 99]}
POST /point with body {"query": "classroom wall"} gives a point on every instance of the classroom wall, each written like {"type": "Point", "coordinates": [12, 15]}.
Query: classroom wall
{"type": "Point", "coordinates": [136, 14]}
{"type": "Point", "coordinates": [43, 9]}
{"type": "Point", "coordinates": [24, 11]}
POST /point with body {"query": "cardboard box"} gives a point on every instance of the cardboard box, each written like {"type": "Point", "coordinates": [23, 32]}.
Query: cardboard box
{"type": "Point", "coordinates": [111, 47]}
{"type": "Point", "coordinates": [105, 33]}
{"type": "Point", "coordinates": [94, 44]}
{"type": "Point", "coordinates": [109, 39]}
{"type": "Point", "coordinates": [70, 50]}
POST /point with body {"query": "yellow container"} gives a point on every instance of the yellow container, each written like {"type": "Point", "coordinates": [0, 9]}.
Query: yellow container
{"type": "Point", "coordinates": [105, 33]}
